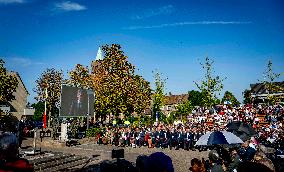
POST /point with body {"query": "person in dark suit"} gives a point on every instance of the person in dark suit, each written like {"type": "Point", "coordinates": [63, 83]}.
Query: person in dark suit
{"type": "Point", "coordinates": [187, 139]}
{"type": "Point", "coordinates": [180, 139]}
{"type": "Point", "coordinates": [168, 139]}
{"type": "Point", "coordinates": [174, 141]}
{"type": "Point", "coordinates": [156, 138]}
{"type": "Point", "coordinates": [141, 137]}
{"type": "Point", "coordinates": [79, 104]}
{"type": "Point", "coordinates": [161, 138]}
{"type": "Point", "coordinates": [248, 153]}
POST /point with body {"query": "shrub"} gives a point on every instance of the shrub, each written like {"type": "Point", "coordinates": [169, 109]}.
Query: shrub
{"type": "Point", "coordinates": [93, 132]}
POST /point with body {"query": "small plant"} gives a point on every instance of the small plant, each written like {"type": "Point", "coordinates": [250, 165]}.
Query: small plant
{"type": "Point", "coordinates": [93, 132]}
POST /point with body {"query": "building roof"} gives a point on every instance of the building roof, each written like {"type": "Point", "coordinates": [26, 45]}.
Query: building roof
{"type": "Point", "coordinates": [259, 88]}
{"type": "Point", "coordinates": [176, 99]}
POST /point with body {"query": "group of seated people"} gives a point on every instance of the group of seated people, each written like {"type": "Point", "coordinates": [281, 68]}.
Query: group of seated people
{"type": "Point", "coordinates": [160, 137]}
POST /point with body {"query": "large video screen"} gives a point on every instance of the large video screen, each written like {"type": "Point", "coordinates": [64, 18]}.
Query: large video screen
{"type": "Point", "coordinates": [75, 101]}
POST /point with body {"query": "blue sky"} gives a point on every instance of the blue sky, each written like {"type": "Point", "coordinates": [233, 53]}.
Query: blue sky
{"type": "Point", "coordinates": [168, 35]}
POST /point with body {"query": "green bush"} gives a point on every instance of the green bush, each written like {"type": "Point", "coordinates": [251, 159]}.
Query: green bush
{"type": "Point", "coordinates": [93, 132]}
{"type": "Point", "coordinates": [171, 118]}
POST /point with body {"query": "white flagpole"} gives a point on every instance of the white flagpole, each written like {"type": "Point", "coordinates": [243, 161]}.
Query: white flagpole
{"type": "Point", "coordinates": [45, 102]}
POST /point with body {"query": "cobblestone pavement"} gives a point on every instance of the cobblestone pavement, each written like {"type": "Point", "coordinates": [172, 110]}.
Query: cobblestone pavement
{"type": "Point", "coordinates": [181, 158]}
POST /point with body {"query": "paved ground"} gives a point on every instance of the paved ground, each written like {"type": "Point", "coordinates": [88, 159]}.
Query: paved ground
{"type": "Point", "coordinates": [181, 158]}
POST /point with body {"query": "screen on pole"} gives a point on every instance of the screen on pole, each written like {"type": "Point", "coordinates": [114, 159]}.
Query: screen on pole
{"type": "Point", "coordinates": [76, 101]}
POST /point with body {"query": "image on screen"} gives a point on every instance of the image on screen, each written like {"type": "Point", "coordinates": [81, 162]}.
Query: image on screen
{"type": "Point", "coordinates": [74, 101]}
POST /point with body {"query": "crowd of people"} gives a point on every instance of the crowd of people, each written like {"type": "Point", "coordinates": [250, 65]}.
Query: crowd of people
{"type": "Point", "coordinates": [267, 121]}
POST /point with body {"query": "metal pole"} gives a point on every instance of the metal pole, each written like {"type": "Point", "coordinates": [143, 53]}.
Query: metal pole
{"type": "Point", "coordinates": [88, 112]}
{"type": "Point", "coordinates": [34, 145]}
{"type": "Point", "coordinates": [45, 102]}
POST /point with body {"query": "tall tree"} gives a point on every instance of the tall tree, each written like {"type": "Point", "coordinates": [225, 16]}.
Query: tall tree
{"type": "Point", "coordinates": [183, 110]}
{"type": "Point", "coordinates": [159, 93]}
{"type": "Point", "coordinates": [117, 88]}
{"type": "Point", "coordinates": [247, 96]}
{"type": "Point", "coordinates": [80, 77]}
{"type": "Point", "coordinates": [211, 84]}
{"type": "Point", "coordinates": [195, 98]}
{"type": "Point", "coordinates": [8, 84]}
{"type": "Point", "coordinates": [50, 82]}
{"type": "Point", "coordinates": [39, 109]}
{"type": "Point", "coordinates": [269, 81]}
{"type": "Point", "coordinates": [229, 97]}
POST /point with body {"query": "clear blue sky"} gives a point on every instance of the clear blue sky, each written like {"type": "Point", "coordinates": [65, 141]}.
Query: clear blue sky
{"type": "Point", "coordinates": [167, 35]}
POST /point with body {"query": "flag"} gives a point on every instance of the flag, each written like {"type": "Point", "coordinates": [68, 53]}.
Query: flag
{"type": "Point", "coordinates": [44, 120]}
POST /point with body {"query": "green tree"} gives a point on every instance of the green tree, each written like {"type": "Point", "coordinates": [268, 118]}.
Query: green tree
{"type": "Point", "coordinates": [8, 84]}
{"type": "Point", "coordinates": [39, 109]}
{"type": "Point", "coordinates": [247, 96]}
{"type": "Point", "coordinates": [211, 84]}
{"type": "Point", "coordinates": [117, 88]}
{"type": "Point", "coordinates": [80, 77]}
{"type": "Point", "coordinates": [159, 94]}
{"type": "Point", "coordinates": [171, 118]}
{"type": "Point", "coordinates": [48, 88]}
{"type": "Point", "coordinates": [269, 81]}
{"type": "Point", "coordinates": [183, 110]}
{"type": "Point", "coordinates": [195, 98]}
{"type": "Point", "coordinates": [228, 96]}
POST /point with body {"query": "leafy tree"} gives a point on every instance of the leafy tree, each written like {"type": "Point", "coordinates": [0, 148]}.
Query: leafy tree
{"type": "Point", "coordinates": [171, 118]}
{"type": "Point", "coordinates": [195, 98]}
{"type": "Point", "coordinates": [158, 95]}
{"type": "Point", "coordinates": [211, 84]}
{"type": "Point", "coordinates": [39, 109]}
{"type": "Point", "coordinates": [228, 96]}
{"type": "Point", "coordinates": [247, 97]}
{"type": "Point", "coordinates": [117, 88]}
{"type": "Point", "coordinates": [80, 77]}
{"type": "Point", "coordinates": [8, 84]}
{"type": "Point", "coordinates": [269, 81]}
{"type": "Point", "coordinates": [48, 88]}
{"type": "Point", "coordinates": [183, 110]}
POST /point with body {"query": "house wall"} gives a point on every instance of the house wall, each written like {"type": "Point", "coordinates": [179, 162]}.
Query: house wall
{"type": "Point", "coordinates": [18, 105]}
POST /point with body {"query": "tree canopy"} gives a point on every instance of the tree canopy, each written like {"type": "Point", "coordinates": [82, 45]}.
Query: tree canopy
{"type": "Point", "coordinates": [80, 77]}
{"type": "Point", "coordinates": [195, 98]}
{"type": "Point", "coordinates": [230, 98]}
{"type": "Point", "coordinates": [183, 110]}
{"type": "Point", "coordinates": [269, 81]}
{"type": "Point", "coordinates": [39, 109]}
{"type": "Point", "coordinates": [159, 93]}
{"type": "Point", "coordinates": [247, 97]}
{"type": "Point", "coordinates": [211, 85]}
{"type": "Point", "coordinates": [48, 88]}
{"type": "Point", "coordinates": [117, 88]}
{"type": "Point", "coordinates": [8, 84]}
